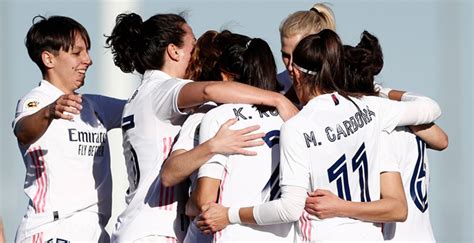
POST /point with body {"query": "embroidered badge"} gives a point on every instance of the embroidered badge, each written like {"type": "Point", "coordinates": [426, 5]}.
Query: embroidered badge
{"type": "Point", "coordinates": [30, 103]}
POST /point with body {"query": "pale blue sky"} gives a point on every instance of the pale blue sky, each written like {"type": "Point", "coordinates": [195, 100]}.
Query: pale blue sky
{"type": "Point", "coordinates": [427, 49]}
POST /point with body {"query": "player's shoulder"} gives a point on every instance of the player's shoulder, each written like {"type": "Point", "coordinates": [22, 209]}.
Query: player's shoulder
{"type": "Point", "coordinates": [35, 98]}
{"type": "Point", "coordinates": [224, 110]}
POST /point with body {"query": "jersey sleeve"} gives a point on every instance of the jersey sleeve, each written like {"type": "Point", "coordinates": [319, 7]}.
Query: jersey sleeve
{"type": "Point", "coordinates": [188, 137]}
{"type": "Point", "coordinates": [389, 155]}
{"type": "Point", "coordinates": [294, 158]}
{"type": "Point", "coordinates": [108, 109]}
{"type": "Point", "coordinates": [30, 104]}
{"type": "Point", "coordinates": [165, 98]}
{"type": "Point", "coordinates": [210, 124]}
{"type": "Point", "coordinates": [416, 111]}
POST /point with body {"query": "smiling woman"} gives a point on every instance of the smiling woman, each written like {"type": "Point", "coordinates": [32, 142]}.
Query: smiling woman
{"type": "Point", "coordinates": [66, 201]}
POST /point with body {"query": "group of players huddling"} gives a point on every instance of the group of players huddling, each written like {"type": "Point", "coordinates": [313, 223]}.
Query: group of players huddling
{"type": "Point", "coordinates": [216, 148]}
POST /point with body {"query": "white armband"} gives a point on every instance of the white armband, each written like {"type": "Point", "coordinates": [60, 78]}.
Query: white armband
{"type": "Point", "coordinates": [233, 214]}
{"type": "Point", "coordinates": [383, 92]}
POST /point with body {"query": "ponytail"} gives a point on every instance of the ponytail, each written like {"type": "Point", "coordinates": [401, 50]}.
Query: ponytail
{"type": "Point", "coordinates": [363, 62]}
{"type": "Point", "coordinates": [308, 22]}
{"type": "Point", "coordinates": [259, 68]}
{"type": "Point", "coordinates": [140, 46]}
{"type": "Point", "coordinates": [124, 41]}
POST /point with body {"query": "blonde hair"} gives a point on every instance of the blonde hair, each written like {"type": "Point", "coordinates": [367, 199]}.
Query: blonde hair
{"type": "Point", "coordinates": [308, 22]}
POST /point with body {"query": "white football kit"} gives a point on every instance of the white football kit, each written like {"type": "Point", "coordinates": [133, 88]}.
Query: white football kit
{"type": "Point", "coordinates": [68, 179]}
{"type": "Point", "coordinates": [151, 120]}
{"type": "Point", "coordinates": [407, 154]}
{"type": "Point", "coordinates": [332, 145]}
{"type": "Point", "coordinates": [187, 140]}
{"type": "Point", "coordinates": [246, 180]}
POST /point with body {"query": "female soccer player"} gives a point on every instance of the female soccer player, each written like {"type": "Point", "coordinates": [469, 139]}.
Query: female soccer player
{"type": "Point", "coordinates": [402, 151]}
{"type": "Point", "coordinates": [294, 28]}
{"type": "Point", "coordinates": [237, 180]}
{"type": "Point", "coordinates": [330, 144]}
{"type": "Point", "coordinates": [62, 136]}
{"type": "Point", "coordinates": [159, 49]}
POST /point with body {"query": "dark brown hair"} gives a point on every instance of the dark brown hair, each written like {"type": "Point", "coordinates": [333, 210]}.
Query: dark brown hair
{"type": "Point", "coordinates": [363, 62]}
{"type": "Point", "coordinates": [322, 56]}
{"type": "Point", "coordinates": [138, 45]}
{"type": "Point", "coordinates": [53, 34]}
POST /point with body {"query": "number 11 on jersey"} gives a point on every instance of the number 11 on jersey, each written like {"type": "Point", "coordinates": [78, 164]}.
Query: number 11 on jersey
{"type": "Point", "coordinates": [339, 173]}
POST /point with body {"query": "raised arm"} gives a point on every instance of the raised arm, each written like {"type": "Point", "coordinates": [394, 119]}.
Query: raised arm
{"type": "Point", "coordinates": [30, 128]}
{"type": "Point", "coordinates": [434, 137]}
{"type": "Point", "coordinates": [196, 93]}
{"type": "Point", "coordinates": [432, 134]}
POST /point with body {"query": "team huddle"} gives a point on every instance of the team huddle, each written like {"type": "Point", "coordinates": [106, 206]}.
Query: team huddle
{"type": "Point", "coordinates": [217, 146]}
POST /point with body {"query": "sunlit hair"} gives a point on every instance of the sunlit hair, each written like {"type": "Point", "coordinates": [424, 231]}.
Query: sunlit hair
{"type": "Point", "coordinates": [141, 46]}
{"type": "Point", "coordinates": [362, 63]}
{"type": "Point", "coordinates": [307, 22]}
{"type": "Point", "coordinates": [53, 34]}
{"type": "Point", "coordinates": [323, 55]}
{"type": "Point", "coordinates": [203, 65]}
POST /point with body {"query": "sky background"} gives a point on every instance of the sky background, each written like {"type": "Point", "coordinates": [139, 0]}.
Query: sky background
{"type": "Point", "coordinates": [427, 48]}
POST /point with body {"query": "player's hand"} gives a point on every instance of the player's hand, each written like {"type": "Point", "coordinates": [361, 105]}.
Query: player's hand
{"type": "Point", "coordinates": [286, 108]}
{"type": "Point", "coordinates": [324, 204]}
{"type": "Point", "coordinates": [66, 106]}
{"type": "Point", "coordinates": [213, 218]}
{"type": "Point", "coordinates": [228, 141]}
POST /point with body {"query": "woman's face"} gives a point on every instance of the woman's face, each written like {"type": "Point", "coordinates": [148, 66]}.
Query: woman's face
{"type": "Point", "coordinates": [186, 50]}
{"type": "Point", "coordinates": [288, 44]}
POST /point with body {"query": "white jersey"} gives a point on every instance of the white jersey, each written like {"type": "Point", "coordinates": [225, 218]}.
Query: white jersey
{"type": "Point", "coordinates": [407, 153]}
{"type": "Point", "coordinates": [332, 145]}
{"type": "Point", "coordinates": [187, 140]}
{"type": "Point", "coordinates": [151, 120]}
{"type": "Point", "coordinates": [68, 167]}
{"type": "Point", "coordinates": [246, 180]}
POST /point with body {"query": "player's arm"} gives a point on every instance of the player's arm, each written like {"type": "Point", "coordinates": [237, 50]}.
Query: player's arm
{"type": "Point", "coordinates": [432, 134]}
{"type": "Point", "coordinates": [182, 163]}
{"type": "Point", "coordinates": [196, 93]}
{"type": "Point", "coordinates": [392, 206]}
{"type": "Point", "coordinates": [206, 191]}
{"type": "Point", "coordinates": [434, 137]}
{"type": "Point", "coordinates": [30, 128]}
{"type": "Point", "coordinates": [287, 209]}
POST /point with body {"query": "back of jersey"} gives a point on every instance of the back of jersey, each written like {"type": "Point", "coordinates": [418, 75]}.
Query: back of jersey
{"type": "Point", "coordinates": [332, 145]}
{"type": "Point", "coordinates": [406, 153]}
{"type": "Point", "coordinates": [246, 180]}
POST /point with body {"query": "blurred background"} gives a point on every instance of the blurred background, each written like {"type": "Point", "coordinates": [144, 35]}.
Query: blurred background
{"type": "Point", "coordinates": [427, 48]}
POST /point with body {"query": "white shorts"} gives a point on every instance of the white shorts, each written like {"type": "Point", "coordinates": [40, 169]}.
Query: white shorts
{"type": "Point", "coordinates": [81, 226]}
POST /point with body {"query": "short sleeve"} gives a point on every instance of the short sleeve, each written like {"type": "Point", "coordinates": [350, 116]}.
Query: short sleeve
{"type": "Point", "coordinates": [389, 153]}
{"type": "Point", "coordinates": [188, 137]}
{"type": "Point", "coordinates": [189, 134]}
{"type": "Point", "coordinates": [109, 109]}
{"type": "Point", "coordinates": [212, 170]}
{"type": "Point", "coordinates": [210, 124]}
{"type": "Point", "coordinates": [165, 98]}
{"type": "Point", "coordinates": [29, 104]}
{"type": "Point", "coordinates": [294, 158]}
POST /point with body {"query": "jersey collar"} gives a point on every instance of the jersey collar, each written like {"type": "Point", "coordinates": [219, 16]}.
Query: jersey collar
{"type": "Point", "coordinates": [50, 88]}
{"type": "Point", "coordinates": [155, 75]}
